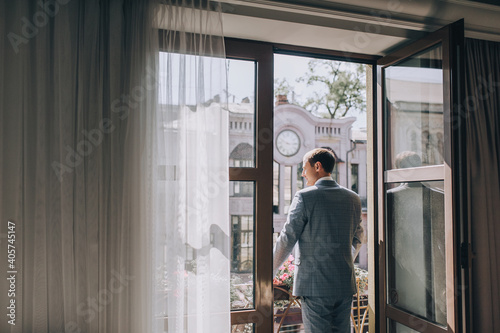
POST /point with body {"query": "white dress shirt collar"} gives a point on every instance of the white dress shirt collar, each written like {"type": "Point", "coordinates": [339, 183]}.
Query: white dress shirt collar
{"type": "Point", "coordinates": [325, 178]}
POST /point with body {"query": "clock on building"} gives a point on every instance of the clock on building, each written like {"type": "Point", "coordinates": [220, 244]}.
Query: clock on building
{"type": "Point", "coordinates": [288, 143]}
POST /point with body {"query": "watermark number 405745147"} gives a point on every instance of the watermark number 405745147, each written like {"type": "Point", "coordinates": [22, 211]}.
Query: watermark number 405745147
{"type": "Point", "coordinates": [11, 272]}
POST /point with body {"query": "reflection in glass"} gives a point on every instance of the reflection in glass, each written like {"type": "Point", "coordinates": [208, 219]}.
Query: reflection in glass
{"type": "Point", "coordinates": [416, 270]}
{"type": "Point", "coordinates": [414, 107]}
{"type": "Point", "coordinates": [395, 327]}
{"type": "Point", "coordinates": [241, 105]}
{"type": "Point", "coordinates": [241, 210]}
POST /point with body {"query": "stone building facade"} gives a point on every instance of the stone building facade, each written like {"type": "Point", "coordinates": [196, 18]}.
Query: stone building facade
{"type": "Point", "coordinates": [296, 131]}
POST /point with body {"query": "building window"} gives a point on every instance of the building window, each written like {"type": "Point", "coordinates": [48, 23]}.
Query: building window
{"type": "Point", "coordinates": [300, 179]}
{"type": "Point", "coordinates": [242, 248]}
{"type": "Point", "coordinates": [242, 156]}
{"type": "Point", "coordinates": [354, 178]}
{"type": "Point", "coordinates": [287, 188]}
{"type": "Point", "coordinates": [243, 189]}
{"type": "Point", "coordinates": [242, 163]}
{"type": "Point", "coordinates": [335, 172]}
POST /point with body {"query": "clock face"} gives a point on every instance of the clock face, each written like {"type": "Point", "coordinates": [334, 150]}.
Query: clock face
{"type": "Point", "coordinates": [288, 143]}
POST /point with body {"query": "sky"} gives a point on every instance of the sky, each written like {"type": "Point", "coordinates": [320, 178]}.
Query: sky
{"type": "Point", "coordinates": [241, 79]}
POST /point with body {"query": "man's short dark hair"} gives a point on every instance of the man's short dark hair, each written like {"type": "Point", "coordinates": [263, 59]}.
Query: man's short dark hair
{"type": "Point", "coordinates": [324, 156]}
{"type": "Point", "coordinates": [407, 159]}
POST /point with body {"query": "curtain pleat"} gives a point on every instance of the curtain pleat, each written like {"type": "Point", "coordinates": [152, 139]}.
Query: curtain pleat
{"type": "Point", "coordinates": [482, 61]}
{"type": "Point", "coordinates": [76, 168]}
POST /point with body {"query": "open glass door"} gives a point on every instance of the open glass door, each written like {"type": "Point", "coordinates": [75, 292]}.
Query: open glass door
{"type": "Point", "coordinates": [418, 184]}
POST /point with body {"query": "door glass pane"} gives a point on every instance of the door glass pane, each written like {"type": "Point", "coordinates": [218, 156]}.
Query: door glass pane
{"type": "Point", "coordinates": [416, 267]}
{"type": "Point", "coordinates": [414, 109]}
{"type": "Point", "coordinates": [395, 327]}
{"type": "Point", "coordinates": [241, 210]}
{"type": "Point", "coordinates": [241, 105]}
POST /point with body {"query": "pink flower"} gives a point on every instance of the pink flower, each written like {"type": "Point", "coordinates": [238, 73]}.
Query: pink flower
{"type": "Point", "coordinates": [291, 268]}
{"type": "Point", "coordinates": [290, 258]}
{"type": "Point", "coordinates": [284, 277]}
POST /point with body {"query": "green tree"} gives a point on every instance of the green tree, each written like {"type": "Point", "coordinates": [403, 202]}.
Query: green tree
{"type": "Point", "coordinates": [282, 87]}
{"type": "Point", "coordinates": [340, 87]}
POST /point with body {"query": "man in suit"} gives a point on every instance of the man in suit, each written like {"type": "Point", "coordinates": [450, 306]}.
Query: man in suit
{"type": "Point", "coordinates": [324, 221]}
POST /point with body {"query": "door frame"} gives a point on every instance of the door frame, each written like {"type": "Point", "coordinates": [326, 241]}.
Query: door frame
{"type": "Point", "coordinates": [451, 38]}
{"type": "Point", "coordinates": [263, 54]}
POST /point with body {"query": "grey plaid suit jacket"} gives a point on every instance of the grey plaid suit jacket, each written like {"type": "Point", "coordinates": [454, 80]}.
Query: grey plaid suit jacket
{"type": "Point", "coordinates": [324, 221]}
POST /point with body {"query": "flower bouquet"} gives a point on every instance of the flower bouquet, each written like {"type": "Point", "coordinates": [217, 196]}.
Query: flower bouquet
{"type": "Point", "coordinates": [283, 282]}
{"type": "Point", "coordinates": [284, 277]}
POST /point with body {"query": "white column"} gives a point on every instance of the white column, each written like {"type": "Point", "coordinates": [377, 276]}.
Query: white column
{"type": "Point", "coordinates": [282, 189]}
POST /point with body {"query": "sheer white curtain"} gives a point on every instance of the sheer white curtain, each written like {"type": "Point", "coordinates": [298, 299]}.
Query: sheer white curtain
{"type": "Point", "coordinates": [193, 232]}
{"type": "Point", "coordinates": [81, 174]}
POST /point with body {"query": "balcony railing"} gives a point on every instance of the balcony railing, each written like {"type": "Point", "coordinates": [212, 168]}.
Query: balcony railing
{"type": "Point", "coordinates": [287, 308]}
{"type": "Point", "coordinates": [288, 315]}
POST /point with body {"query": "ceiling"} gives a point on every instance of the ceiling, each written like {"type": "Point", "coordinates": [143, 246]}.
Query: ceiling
{"type": "Point", "coordinates": [362, 26]}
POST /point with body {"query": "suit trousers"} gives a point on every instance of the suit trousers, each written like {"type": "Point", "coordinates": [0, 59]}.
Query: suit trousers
{"type": "Point", "coordinates": [326, 315]}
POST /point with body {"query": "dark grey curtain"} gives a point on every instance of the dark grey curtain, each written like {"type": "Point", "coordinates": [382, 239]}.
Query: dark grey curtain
{"type": "Point", "coordinates": [73, 118]}
{"type": "Point", "coordinates": [483, 153]}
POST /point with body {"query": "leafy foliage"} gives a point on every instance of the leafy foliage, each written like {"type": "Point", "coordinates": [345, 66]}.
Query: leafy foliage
{"type": "Point", "coordinates": [282, 87]}
{"type": "Point", "coordinates": [362, 277]}
{"type": "Point", "coordinates": [340, 87]}
{"type": "Point", "coordinates": [241, 293]}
